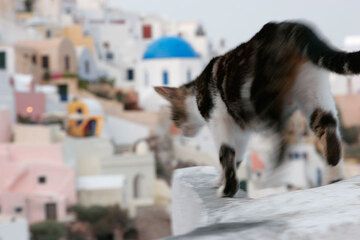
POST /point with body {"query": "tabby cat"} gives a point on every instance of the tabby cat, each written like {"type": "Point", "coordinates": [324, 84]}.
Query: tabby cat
{"type": "Point", "coordinates": [258, 85]}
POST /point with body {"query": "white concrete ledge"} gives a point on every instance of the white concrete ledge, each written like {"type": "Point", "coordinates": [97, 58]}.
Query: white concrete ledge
{"type": "Point", "coordinates": [329, 212]}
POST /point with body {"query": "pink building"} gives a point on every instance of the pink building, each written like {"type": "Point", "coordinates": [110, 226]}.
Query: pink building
{"type": "Point", "coordinates": [30, 105]}
{"type": "Point", "coordinates": [35, 183]}
{"type": "Point", "coordinates": [6, 125]}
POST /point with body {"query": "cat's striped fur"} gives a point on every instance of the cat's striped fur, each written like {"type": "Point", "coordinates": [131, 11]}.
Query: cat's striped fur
{"type": "Point", "coordinates": [258, 85]}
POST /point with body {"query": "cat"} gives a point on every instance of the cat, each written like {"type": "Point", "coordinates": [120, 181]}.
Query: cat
{"type": "Point", "coordinates": [258, 85]}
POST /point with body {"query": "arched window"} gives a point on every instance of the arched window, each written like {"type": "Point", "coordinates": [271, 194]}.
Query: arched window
{"type": "Point", "coordinates": [165, 76]}
{"type": "Point", "coordinates": [67, 63]}
{"type": "Point", "coordinates": [138, 182]}
{"type": "Point", "coordinates": [188, 75]}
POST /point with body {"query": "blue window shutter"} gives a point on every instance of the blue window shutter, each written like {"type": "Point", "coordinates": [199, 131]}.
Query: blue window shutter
{"type": "Point", "coordinates": [165, 78]}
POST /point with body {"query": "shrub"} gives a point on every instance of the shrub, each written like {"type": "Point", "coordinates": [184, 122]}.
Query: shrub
{"type": "Point", "coordinates": [47, 230]}
{"type": "Point", "coordinates": [103, 220]}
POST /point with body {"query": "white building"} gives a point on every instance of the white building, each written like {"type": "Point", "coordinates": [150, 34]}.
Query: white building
{"type": "Point", "coordinates": [118, 43]}
{"type": "Point", "coordinates": [122, 37]}
{"type": "Point", "coordinates": [168, 61]}
{"type": "Point", "coordinates": [87, 69]}
{"type": "Point", "coordinates": [53, 104]}
{"type": "Point", "coordinates": [195, 34]}
{"type": "Point", "coordinates": [7, 99]}
{"type": "Point", "coordinates": [103, 190]}
{"type": "Point", "coordinates": [95, 158]}
{"type": "Point", "coordinates": [93, 5]}
{"type": "Point", "coordinates": [14, 228]}
{"type": "Point", "coordinates": [139, 171]}
{"type": "Point", "coordinates": [123, 132]}
{"type": "Point", "coordinates": [55, 11]}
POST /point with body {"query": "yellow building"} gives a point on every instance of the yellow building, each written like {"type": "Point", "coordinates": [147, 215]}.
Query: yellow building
{"type": "Point", "coordinates": [76, 35]}
{"type": "Point", "coordinates": [84, 118]}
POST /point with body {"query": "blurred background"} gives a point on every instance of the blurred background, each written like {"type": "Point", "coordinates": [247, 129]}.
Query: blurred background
{"type": "Point", "coordinates": [87, 150]}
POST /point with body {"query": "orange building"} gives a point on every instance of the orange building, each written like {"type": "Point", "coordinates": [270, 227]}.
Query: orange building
{"type": "Point", "coordinates": [84, 118]}
{"type": "Point", "coordinates": [75, 33]}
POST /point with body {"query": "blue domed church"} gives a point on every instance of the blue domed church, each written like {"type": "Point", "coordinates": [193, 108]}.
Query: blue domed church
{"type": "Point", "coordinates": [167, 61]}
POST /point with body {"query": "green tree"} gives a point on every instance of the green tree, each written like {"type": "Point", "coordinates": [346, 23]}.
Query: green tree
{"type": "Point", "coordinates": [47, 230]}
{"type": "Point", "coordinates": [103, 220]}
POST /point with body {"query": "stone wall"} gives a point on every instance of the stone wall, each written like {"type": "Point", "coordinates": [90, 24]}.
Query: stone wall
{"type": "Point", "coordinates": [329, 212]}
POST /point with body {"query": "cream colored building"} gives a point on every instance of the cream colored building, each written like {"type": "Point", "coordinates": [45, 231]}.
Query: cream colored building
{"type": "Point", "coordinates": [103, 190]}
{"type": "Point", "coordinates": [37, 134]}
{"type": "Point", "coordinates": [55, 56]}
{"type": "Point", "coordinates": [139, 171]}
{"type": "Point", "coordinates": [26, 61]}
{"type": "Point", "coordinates": [95, 157]}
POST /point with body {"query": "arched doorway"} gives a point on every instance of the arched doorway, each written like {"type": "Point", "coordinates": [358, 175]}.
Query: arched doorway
{"type": "Point", "coordinates": [90, 129]}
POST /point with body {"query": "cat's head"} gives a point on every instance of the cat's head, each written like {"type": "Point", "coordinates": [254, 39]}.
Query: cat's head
{"type": "Point", "coordinates": [184, 110]}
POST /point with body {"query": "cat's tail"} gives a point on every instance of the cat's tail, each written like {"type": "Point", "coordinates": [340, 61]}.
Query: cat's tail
{"type": "Point", "coordinates": [323, 55]}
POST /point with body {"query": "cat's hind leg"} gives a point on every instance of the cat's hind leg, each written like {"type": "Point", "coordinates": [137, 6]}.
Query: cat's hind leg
{"type": "Point", "coordinates": [313, 96]}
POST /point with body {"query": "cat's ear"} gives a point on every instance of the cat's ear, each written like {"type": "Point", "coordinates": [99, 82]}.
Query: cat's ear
{"type": "Point", "coordinates": [168, 93]}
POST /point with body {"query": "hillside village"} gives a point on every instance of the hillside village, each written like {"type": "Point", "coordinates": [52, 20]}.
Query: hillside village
{"type": "Point", "coordinates": [86, 146]}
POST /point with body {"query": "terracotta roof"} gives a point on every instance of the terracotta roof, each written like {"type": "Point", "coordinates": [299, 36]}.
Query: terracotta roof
{"type": "Point", "coordinates": [349, 107]}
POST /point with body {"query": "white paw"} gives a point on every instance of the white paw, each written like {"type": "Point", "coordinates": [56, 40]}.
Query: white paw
{"type": "Point", "coordinates": [220, 191]}
{"type": "Point", "coordinates": [220, 180]}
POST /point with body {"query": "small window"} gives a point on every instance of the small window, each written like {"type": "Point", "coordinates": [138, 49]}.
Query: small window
{"type": "Point", "coordinates": [130, 74]}
{"type": "Point", "coordinates": [87, 67]}
{"type": "Point", "coordinates": [109, 56]}
{"type": "Point", "coordinates": [34, 59]}
{"type": "Point", "coordinates": [297, 155]}
{"type": "Point", "coordinates": [106, 45]}
{"type": "Point", "coordinates": [18, 210]}
{"type": "Point", "coordinates": [2, 60]}
{"type": "Point", "coordinates": [67, 63]}
{"type": "Point", "coordinates": [200, 31]}
{"type": "Point", "coordinates": [68, 11]}
{"type": "Point", "coordinates": [147, 31]}
{"type": "Point", "coordinates": [165, 78]}
{"type": "Point", "coordinates": [42, 180]}
{"type": "Point", "coordinates": [45, 62]}
{"type": "Point", "coordinates": [48, 34]}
